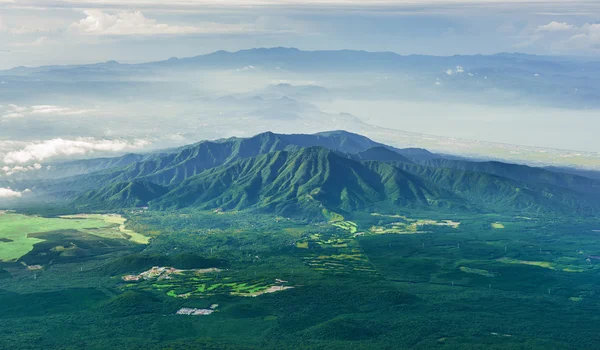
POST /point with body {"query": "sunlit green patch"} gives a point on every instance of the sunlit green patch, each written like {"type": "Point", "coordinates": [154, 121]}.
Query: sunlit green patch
{"type": "Point", "coordinates": [573, 269]}
{"type": "Point", "coordinates": [332, 216]}
{"type": "Point", "coordinates": [481, 272]}
{"type": "Point", "coordinates": [15, 231]}
{"type": "Point", "coordinates": [497, 225]}
{"type": "Point", "coordinates": [302, 245]}
{"type": "Point", "coordinates": [350, 226]}
{"type": "Point", "coordinates": [544, 264]}
{"type": "Point", "coordinates": [396, 229]}
{"type": "Point", "coordinates": [112, 220]}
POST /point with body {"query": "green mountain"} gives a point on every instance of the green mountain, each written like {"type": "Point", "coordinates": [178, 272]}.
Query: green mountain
{"type": "Point", "coordinates": [306, 181]}
{"type": "Point", "coordinates": [303, 174]}
{"type": "Point", "coordinates": [170, 168]}
{"type": "Point", "coordinates": [382, 154]}
{"type": "Point", "coordinates": [522, 173]}
{"type": "Point", "coordinates": [121, 195]}
{"type": "Point", "coordinates": [497, 193]}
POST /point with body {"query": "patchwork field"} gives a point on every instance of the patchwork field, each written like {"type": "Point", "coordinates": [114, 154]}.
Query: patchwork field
{"type": "Point", "coordinates": [19, 233]}
{"type": "Point", "coordinates": [201, 283]}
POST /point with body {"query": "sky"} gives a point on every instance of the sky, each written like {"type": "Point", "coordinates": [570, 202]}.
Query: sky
{"type": "Point", "coordinates": [74, 120]}
{"type": "Point", "coordinates": [42, 32]}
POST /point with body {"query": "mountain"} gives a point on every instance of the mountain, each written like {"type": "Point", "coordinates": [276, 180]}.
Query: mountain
{"type": "Point", "coordinates": [522, 173]}
{"type": "Point", "coordinates": [591, 174]}
{"type": "Point", "coordinates": [173, 167]}
{"type": "Point", "coordinates": [382, 154]}
{"type": "Point", "coordinates": [306, 180]}
{"type": "Point", "coordinates": [86, 166]}
{"type": "Point", "coordinates": [501, 194]}
{"type": "Point", "coordinates": [121, 195]}
{"type": "Point", "coordinates": [301, 175]}
{"type": "Point", "coordinates": [282, 58]}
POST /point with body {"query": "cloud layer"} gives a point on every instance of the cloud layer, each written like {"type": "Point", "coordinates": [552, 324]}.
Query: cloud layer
{"type": "Point", "coordinates": [48, 149]}
{"type": "Point", "coordinates": [8, 193]}
{"type": "Point", "coordinates": [13, 111]}
{"type": "Point", "coordinates": [98, 22]}
{"type": "Point", "coordinates": [8, 171]}
{"type": "Point", "coordinates": [563, 37]}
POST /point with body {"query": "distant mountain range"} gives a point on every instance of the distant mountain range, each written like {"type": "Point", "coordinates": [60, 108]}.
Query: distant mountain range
{"type": "Point", "coordinates": [292, 58]}
{"type": "Point", "coordinates": [303, 175]}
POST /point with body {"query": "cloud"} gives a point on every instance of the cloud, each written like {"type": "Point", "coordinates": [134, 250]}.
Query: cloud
{"type": "Point", "coordinates": [37, 42]}
{"type": "Point", "coordinates": [16, 108]}
{"type": "Point", "coordinates": [98, 22]}
{"type": "Point", "coordinates": [458, 70]}
{"type": "Point", "coordinates": [563, 37]}
{"type": "Point", "coordinates": [51, 109]}
{"type": "Point", "coordinates": [42, 150]}
{"type": "Point", "coordinates": [8, 171]}
{"type": "Point", "coordinates": [12, 115]}
{"type": "Point", "coordinates": [8, 193]}
{"type": "Point", "coordinates": [555, 27]}
{"type": "Point", "coordinates": [245, 68]}
{"type": "Point", "coordinates": [14, 111]}
{"type": "Point", "coordinates": [282, 3]}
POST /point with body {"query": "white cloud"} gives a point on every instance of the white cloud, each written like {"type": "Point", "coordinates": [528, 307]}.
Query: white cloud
{"type": "Point", "coordinates": [24, 30]}
{"type": "Point", "coordinates": [232, 3]}
{"type": "Point", "coordinates": [8, 193]}
{"type": "Point", "coordinates": [562, 37]}
{"type": "Point", "coordinates": [245, 68]}
{"type": "Point", "coordinates": [458, 70]}
{"type": "Point", "coordinates": [15, 111]}
{"type": "Point", "coordinates": [39, 41]}
{"type": "Point", "coordinates": [42, 150]}
{"type": "Point", "coordinates": [51, 109]}
{"type": "Point", "coordinates": [8, 171]}
{"type": "Point", "coordinates": [99, 22]}
{"type": "Point", "coordinates": [16, 108]}
{"type": "Point", "coordinates": [555, 27]}
{"type": "Point", "coordinates": [12, 115]}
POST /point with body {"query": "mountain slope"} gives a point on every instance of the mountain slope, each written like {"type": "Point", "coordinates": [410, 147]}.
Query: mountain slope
{"type": "Point", "coordinates": [305, 180]}
{"type": "Point", "coordinates": [522, 173]}
{"type": "Point", "coordinates": [501, 194]}
{"type": "Point", "coordinates": [382, 154]}
{"type": "Point", "coordinates": [171, 168]}
{"type": "Point", "coordinates": [121, 195]}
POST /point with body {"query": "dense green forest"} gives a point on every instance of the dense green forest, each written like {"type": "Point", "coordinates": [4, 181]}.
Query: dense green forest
{"type": "Point", "coordinates": [369, 281]}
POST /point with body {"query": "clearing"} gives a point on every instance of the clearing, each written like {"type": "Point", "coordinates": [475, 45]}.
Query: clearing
{"type": "Point", "coordinates": [15, 230]}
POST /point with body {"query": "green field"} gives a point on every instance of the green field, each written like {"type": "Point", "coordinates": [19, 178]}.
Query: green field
{"type": "Point", "coordinates": [16, 231]}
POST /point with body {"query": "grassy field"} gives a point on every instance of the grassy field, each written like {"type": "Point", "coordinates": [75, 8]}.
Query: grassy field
{"type": "Point", "coordinates": [16, 230]}
{"type": "Point", "coordinates": [110, 221]}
